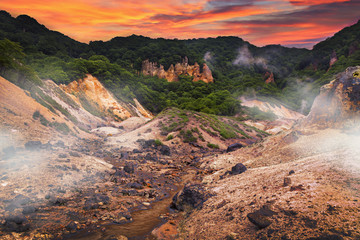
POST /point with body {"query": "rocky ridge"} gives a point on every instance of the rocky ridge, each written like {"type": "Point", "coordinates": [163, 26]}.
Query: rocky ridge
{"type": "Point", "coordinates": [96, 99]}
{"type": "Point", "coordinates": [172, 74]}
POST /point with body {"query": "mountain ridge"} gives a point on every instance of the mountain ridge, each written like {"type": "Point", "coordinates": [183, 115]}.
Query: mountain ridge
{"type": "Point", "coordinates": [237, 66]}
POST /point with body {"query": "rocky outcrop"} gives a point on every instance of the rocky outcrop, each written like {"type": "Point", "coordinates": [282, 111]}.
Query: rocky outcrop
{"type": "Point", "coordinates": [172, 74]}
{"type": "Point", "coordinates": [269, 76]}
{"type": "Point", "coordinates": [91, 94]}
{"type": "Point", "coordinates": [338, 103]}
{"type": "Point", "coordinates": [84, 118]}
{"type": "Point", "coordinates": [97, 100]}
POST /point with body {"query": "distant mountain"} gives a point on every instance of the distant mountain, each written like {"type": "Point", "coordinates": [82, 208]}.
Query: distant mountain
{"type": "Point", "coordinates": [344, 47]}
{"type": "Point", "coordinates": [35, 37]}
{"type": "Point", "coordinates": [239, 68]}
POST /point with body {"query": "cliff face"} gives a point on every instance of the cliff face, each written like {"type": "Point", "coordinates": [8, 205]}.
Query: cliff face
{"type": "Point", "coordinates": [172, 74]}
{"type": "Point", "coordinates": [338, 102]}
{"type": "Point", "coordinates": [96, 99]}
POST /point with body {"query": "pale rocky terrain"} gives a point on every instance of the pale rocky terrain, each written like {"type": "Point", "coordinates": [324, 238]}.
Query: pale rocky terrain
{"type": "Point", "coordinates": [117, 179]}
{"type": "Point", "coordinates": [286, 118]}
{"type": "Point", "coordinates": [299, 184]}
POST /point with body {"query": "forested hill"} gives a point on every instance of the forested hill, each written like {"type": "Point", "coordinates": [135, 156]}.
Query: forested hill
{"type": "Point", "coordinates": [239, 68]}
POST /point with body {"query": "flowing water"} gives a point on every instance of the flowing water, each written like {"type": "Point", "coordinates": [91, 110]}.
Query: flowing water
{"type": "Point", "coordinates": [144, 221]}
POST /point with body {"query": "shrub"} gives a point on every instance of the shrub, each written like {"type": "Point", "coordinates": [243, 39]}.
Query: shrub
{"type": "Point", "coordinates": [36, 115]}
{"type": "Point", "coordinates": [187, 136]}
{"type": "Point", "coordinates": [158, 142]}
{"type": "Point", "coordinates": [61, 127]}
{"type": "Point", "coordinates": [214, 146]}
{"type": "Point", "coordinates": [43, 120]}
{"type": "Point", "coordinates": [169, 137]}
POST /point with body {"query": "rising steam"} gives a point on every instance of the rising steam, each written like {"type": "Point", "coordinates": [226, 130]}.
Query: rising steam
{"type": "Point", "coordinates": [246, 59]}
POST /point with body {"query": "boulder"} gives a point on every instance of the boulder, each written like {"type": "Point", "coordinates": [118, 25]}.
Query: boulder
{"type": "Point", "coordinates": [261, 217]}
{"type": "Point", "coordinates": [129, 167]}
{"type": "Point", "coordinates": [190, 197]}
{"type": "Point", "coordinates": [237, 169]}
{"type": "Point", "coordinates": [33, 145]}
{"type": "Point", "coordinates": [165, 150]}
{"type": "Point", "coordinates": [16, 223]}
{"type": "Point", "coordinates": [234, 147]}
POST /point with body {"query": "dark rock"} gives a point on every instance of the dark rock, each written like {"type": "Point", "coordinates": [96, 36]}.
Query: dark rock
{"type": "Point", "coordinates": [192, 196]}
{"type": "Point", "coordinates": [290, 212]}
{"type": "Point", "coordinates": [72, 226]}
{"type": "Point", "coordinates": [28, 210]}
{"type": "Point", "coordinates": [119, 175]}
{"type": "Point", "coordinates": [297, 188]}
{"type": "Point", "coordinates": [123, 217]}
{"type": "Point", "coordinates": [124, 156]}
{"type": "Point", "coordinates": [164, 162]}
{"type": "Point", "coordinates": [46, 146]}
{"type": "Point", "coordinates": [266, 211]}
{"type": "Point", "coordinates": [57, 201]}
{"type": "Point", "coordinates": [259, 220]}
{"type": "Point", "coordinates": [234, 147]}
{"type": "Point", "coordinates": [150, 157]}
{"type": "Point", "coordinates": [74, 154]}
{"type": "Point", "coordinates": [238, 168]}
{"type": "Point", "coordinates": [327, 237]}
{"type": "Point", "coordinates": [136, 151]}
{"type": "Point", "coordinates": [135, 185]}
{"type": "Point", "coordinates": [287, 181]}
{"type": "Point", "coordinates": [75, 168]}
{"type": "Point", "coordinates": [291, 172]}
{"type": "Point", "coordinates": [94, 201]}
{"type": "Point", "coordinates": [148, 143]}
{"type": "Point", "coordinates": [131, 192]}
{"type": "Point", "coordinates": [33, 145]}
{"type": "Point", "coordinates": [63, 155]}
{"type": "Point", "coordinates": [261, 217]}
{"type": "Point", "coordinates": [129, 167]}
{"type": "Point", "coordinates": [16, 223]}
{"type": "Point", "coordinates": [60, 144]}
{"type": "Point", "coordinates": [19, 201]}
{"type": "Point", "coordinates": [310, 223]}
{"type": "Point", "coordinates": [195, 145]}
{"type": "Point", "coordinates": [165, 150]}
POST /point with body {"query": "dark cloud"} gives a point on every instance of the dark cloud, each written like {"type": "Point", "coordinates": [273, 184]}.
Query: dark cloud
{"type": "Point", "coordinates": [339, 13]}
{"type": "Point", "coordinates": [198, 14]}
{"type": "Point", "coordinates": [219, 3]}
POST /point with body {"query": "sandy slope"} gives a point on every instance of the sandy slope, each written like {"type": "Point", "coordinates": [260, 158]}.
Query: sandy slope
{"type": "Point", "coordinates": [16, 116]}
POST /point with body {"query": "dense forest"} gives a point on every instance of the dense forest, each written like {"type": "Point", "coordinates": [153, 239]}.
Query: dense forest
{"type": "Point", "coordinates": [30, 52]}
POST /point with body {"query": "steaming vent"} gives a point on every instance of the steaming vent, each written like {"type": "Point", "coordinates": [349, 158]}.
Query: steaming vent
{"type": "Point", "coordinates": [338, 103]}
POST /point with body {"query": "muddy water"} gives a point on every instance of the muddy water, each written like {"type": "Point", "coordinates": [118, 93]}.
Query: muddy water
{"type": "Point", "coordinates": [144, 221]}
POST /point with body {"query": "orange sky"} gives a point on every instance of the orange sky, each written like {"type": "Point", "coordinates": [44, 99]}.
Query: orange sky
{"type": "Point", "coordinates": [299, 23]}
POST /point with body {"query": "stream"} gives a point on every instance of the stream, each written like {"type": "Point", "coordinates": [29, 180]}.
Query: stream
{"type": "Point", "coordinates": [144, 221]}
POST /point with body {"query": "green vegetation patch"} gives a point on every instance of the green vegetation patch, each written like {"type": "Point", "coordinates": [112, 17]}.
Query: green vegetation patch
{"type": "Point", "coordinates": [214, 146]}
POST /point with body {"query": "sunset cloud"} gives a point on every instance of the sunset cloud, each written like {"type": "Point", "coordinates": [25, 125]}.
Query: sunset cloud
{"type": "Point", "coordinates": [291, 23]}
